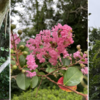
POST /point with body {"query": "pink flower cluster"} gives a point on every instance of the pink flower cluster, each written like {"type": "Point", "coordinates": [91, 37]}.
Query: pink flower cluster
{"type": "Point", "coordinates": [50, 44]}
{"type": "Point", "coordinates": [84, 70]}
{"type": "Point", "coordinates": [31, 65]}
{"type": "Point", "coordinates": [15, 38]}
{"type": "Point", "coordinates": [77, 55]}
{"type": "Point", "coordinates": [83, 58]}
{"type": "Point", "coordinates": [30, 74]}
{"type": "Point", "coordinates": [31, 62]}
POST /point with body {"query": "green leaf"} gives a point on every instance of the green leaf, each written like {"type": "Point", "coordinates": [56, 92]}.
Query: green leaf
{"type": "Point", "coordinates": [72, 76]}
{"type": "Point", "coordinates": [23, 82]}
{"type": "Point", "coordinates": [34, 81]}
{"type": "Point", "coordinates": [65, 61]}
{"type": "Point", "coordinates": [26, 49]}
{"type": "Point", "coordinates": [49, 70]}
{"type": "Point", "coordinates": [2, 48]}
{"type": "Point", "coordinates": [22, 60]}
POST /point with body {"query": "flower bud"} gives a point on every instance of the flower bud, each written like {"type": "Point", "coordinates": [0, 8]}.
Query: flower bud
{"type": "Point", "coordinates": [14, 67]}
{"type": "Point", "coordinates": [78, 47]}
{"type": "Point", "coordinates": [21, 47]}
{"type": "Point", "coordinates": [81, 54]}
{"type": "Point", "coordinates": [19, 32]}
{"type": "Point", "coordinates": [82, 65]}
{"type": "Point", "coordinates": [13, 26]}
{"type": "Point", "coordinates": [83, 60]}
{"type": "Point", "coordinates": [25, 53]}
{"type": "Point", "coordinates": [12, 51]}
{"type": "Point", "coordinates": [25, 65]}
{"type": "Point", "coordinates": [23, 71]}
{"type": "Point", "coordinates": [80, 50]}
{"type": "Point", "coordinates": [85, 52]}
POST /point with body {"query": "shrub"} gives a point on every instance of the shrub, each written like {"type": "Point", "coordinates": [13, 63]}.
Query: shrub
{"type": "Point", "coordinates": [48, 94]}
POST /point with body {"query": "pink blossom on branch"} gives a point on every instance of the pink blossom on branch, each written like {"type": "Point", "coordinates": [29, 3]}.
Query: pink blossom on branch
{"type": "Point", "coordinates": [53, 43]}
{"type": "Point", "coordinates": [40, 57]}
{"type": "Point", "coordinates": [83, 58]}
{"type": "Point", "coordinates": [84, 70]}
{"type": "Point", "coordinates": [83, 61]}
{"type": "Point", "coordinates": [30, 74]}
{"type": "Point", "coordinates": [77, 55]}
{"type": "Point", "coordinates": [31, 62]}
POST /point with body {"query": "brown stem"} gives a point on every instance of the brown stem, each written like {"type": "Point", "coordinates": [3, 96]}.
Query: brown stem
{"type": "Point", "coordinates": [84, 95]}
{"type": "Point", "coordinates": [61, 68]}
{"type": "Point", "coordinates": [17, 53]}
